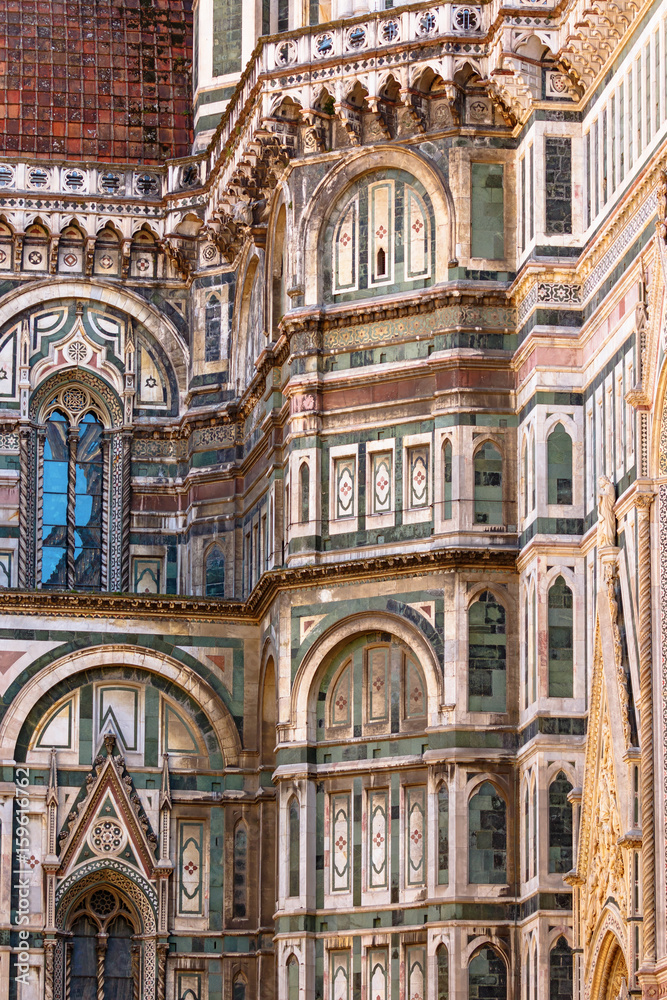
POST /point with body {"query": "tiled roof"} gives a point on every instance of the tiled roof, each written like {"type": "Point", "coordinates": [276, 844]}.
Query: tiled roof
{"type": "Point", "coordinates": [101, 80]}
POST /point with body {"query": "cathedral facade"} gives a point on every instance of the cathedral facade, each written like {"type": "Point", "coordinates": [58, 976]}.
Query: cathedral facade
{"type": "Point", "coordinates": [333, 500]}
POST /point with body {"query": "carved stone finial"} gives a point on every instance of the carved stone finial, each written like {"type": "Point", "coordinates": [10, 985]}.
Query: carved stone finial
{"type": "Point", "coordinates": [165, 793]}
{"type": "Point", "coordinates": [606, 516]}
{"type": "Point", "coordinates": [109, 743]}
{"type": "Point", "coordinates": [52, 793]}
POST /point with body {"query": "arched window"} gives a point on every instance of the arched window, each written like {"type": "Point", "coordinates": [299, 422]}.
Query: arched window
{"type": "Point", "coordinates": [215, 573]}
{"type": "Point", "coordinates": [561, 639]}
{"type": "Point", "coordinates": [487, 837]}
{"type": "Point", "coordinates": [381, 237]}
{"type": "Point", "coordinates": [304, 492]}
{"type": "Point", "coordinates": [488, 485]}
{"type": "Point", "coordinates": [561, 971]}
{"type": "Point", "coordinates": [526, 832]}
{"type": "Point", "coordinates": [447, 480]}
{"type": "Point", "coordinates": [240, 870]}
{"type": "Point", "coordinates": [292, 978]}
{"type": "Point", "coordinates": [72, 518]}
{"type": "Point", "coordinates": [442, 971]}
{"type": "Point", "coordinates": [534, 847]}
{"type": "Point", "coordinates": [532, 645]}
{"type": "Point", "coordinates": [487, 976]}
{"type": "Point", "coordinates": [559, 466]}
{"type": "Point", "coordinates": [294, 848]}
{"type": "Point", "coordinates": [487, 647]}
{"type": "Point", "coordinates": [560, 825]}
{"type": "Point", "coordinates": [212, 327]}
{"type": "Point", "coordinates": [443, 834]}
{"type": "Point", "coordinates": [532, 469]}
{"type": "Point", "coordinates": [239, 989]}
{"type": "Point", "coordinates": [279, 272]}
{"type": "Point", "coordinates": [524, 465]}
{"type": "Point", "coordinates": [526, 657]}
{"type": "Point", "coordinates": [527, 995]}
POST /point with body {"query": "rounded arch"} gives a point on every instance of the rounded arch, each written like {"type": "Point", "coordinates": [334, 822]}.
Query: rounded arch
{"type": "Point", "coordinates": [350, 169]}
{"type": "Point", "coordinates": [301, 704]}
{"type": "Point", "coordinates": [119, 297]}
{"type": "Point", "coordinates": [75, 662]}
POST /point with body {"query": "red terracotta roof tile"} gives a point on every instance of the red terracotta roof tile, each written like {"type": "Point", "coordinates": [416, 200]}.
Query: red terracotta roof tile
{"type": "Point", "coordinates": [102, 81]}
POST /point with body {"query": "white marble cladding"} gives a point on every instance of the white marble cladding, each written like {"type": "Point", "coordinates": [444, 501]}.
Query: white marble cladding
{"type": "Point", "coordinates": [106, 182]}
{"type": "Point", "coordinates": [391, 27]}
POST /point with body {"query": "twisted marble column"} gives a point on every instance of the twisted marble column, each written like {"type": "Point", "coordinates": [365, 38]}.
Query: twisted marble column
{"type": "Point", "coordinates": [136, 970]}
{"type": "Point", "coordinates": [101, 955]}
{"type": "Point", "coordinates": [162, 949]}
{"type": "Point", "coordinates": [643, 503]}
{"type": "Point", "coordinates": [49, 946]}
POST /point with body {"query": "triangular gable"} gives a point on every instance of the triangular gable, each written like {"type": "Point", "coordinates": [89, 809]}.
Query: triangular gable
{"type": "Point", "coordinates": [600, 867]}
{"type": "Point", "coordinates": [108, 820]}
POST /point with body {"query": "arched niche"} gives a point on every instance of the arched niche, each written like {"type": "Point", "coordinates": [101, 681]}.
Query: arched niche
{"type": "Point", "coordinates": [342, 177]}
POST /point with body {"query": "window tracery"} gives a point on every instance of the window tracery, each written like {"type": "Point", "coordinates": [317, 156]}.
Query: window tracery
{"type": "Point", "coordinates": [72, 498]}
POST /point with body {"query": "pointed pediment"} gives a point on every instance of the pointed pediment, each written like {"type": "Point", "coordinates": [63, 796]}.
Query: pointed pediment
{"type": "Point", "coordinates": [601, 859]}
{"type": "Point", "coordinates": [107, 820]}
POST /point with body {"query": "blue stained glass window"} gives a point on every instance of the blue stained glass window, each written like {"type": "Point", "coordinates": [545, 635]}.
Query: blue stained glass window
{"type": "Point", "coordinates": [89, 474]}
{"type": "Point", "coordinates": [88, 505]}
{"type": "Point", "coordinates": [54, 504]}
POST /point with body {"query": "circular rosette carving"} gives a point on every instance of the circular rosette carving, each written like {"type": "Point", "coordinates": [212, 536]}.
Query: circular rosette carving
{"type": "Point", "coordinates": [107, 836]}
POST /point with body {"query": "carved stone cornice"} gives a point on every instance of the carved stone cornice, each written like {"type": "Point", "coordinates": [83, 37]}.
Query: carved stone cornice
{"type": "Point", "coordinates": [142, 606]}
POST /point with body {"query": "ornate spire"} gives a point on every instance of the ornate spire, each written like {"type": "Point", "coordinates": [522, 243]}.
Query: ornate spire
{"type": "Point", "coordinates": [52, 793]}
{"type": "Point", "coordinates": [165, 792]}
